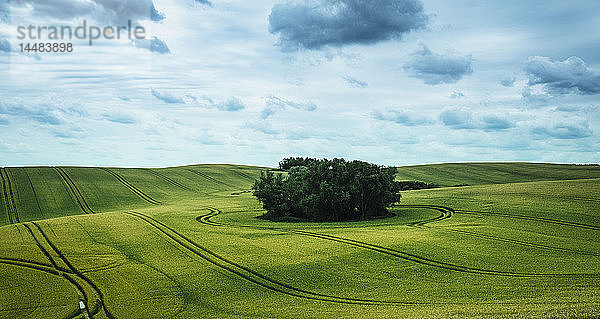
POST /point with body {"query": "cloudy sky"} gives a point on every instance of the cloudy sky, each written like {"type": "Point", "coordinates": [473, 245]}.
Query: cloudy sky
{"type": "Point", "coordinates": [391, 81]}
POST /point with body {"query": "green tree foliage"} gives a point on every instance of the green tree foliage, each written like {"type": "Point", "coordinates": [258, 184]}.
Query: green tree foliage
{"type": "Point", "coordinates": [290, 162]}
{"type": "Point", "coordinates": [414, 185]}
{"type": "Point", "coordinates": [328, 190]}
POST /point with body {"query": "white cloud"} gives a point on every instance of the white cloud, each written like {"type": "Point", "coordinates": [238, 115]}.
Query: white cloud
{"type": "Point", "coordinates": [167, 97]}
{"type": "Point", "coordinates": [402, 117]}
{"type": "Point", "coordinates": [569, 76]}
{"type": "Point", "coordinates": [464, 118]}
{"type": "Point", "coordinates": [435, 68]}
{"type": "Point", "coordinates": [275, 104]}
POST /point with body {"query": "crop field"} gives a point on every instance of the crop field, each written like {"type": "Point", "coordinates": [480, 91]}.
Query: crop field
{"type": "Point", "coordinates": [183, 242]}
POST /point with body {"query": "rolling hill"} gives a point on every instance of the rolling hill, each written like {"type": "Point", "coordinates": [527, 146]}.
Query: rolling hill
{"type": "Point", "coordinates": [183, 242]}
{"type": "Point", "coordinates": [495, 173]}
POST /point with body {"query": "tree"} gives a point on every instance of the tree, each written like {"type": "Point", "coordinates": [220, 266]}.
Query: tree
{"type": "Point", "coordinates": [270, 189]}
{"type": "Point", "coordinates": [327, 190]}
{"type": "Point", "coordinates": [287, 163]}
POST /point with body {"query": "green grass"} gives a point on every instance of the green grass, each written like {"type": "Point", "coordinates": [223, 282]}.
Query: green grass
{"type": "Point", "coordinates": [521, 244]}
{"type": "Point", "coordinates": [494, 173]}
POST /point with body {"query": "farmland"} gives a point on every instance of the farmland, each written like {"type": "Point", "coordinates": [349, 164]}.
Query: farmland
{"type": "Point", "coordinates": [184, 242]}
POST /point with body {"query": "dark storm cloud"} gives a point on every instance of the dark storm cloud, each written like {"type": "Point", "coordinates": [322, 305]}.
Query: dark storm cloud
{"type": "Point", "coordinates": [562, 77]}
{"type": "Point", "coordinates": [401, 117]}
{"type": "Point", "coordinates": [315, 24]}
{"type": "Point", "coordinates": [434, 68]}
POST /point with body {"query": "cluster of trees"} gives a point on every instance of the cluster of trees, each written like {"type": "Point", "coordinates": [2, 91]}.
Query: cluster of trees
{"type": "Point", "coordinates": [287, 163]}
{"type": "Point", "coordinates": [414, 185]}
{"type": "Point", "coordinates": [327, 190]}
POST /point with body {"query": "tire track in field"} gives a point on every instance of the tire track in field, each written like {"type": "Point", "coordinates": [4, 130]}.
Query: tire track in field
{"type": "Point", "coordinates": [72, 187]}
{"type": "Point", "coordinates": [9, 197]}
{"type": "Point", "coordinates": [5, 199]}
{"type": "Point", "coordinates": [207, 177]}
{"type": "Point", "coordinates": [489, 237]}
{"type": "Point", "coordinates": [532, 218]}
{"type": "Point", "coordinates": [446, 213]}
{"type": "Point", "coordinates": [100, 304]}
{"type": "Point", "coordinates": [205, 219]}
{"type": "Point", "coordinates": [134, 189]}
{"type": "Point", "coordinates": [169, 180]}
{"type": "Point", "coordinates": [42, 249]}
{"type": "Point", "coordinates": [34, 192]}
{"type": "Point", "coordinates": [242, 174]}
{"type": "Point", "coordinates": [582, 198]}
{"type": "Point", "coordinates": [62, 273]}
{"type": "Point", "coordinates": [519, 242]}
{"type": "Point", "coordinates": [80, 291]}
{"type": "Point", "coordinates": [249, 274]}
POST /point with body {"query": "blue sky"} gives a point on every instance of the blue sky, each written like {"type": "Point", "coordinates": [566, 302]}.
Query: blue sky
{"type": "Point", "coordinates": [393, 82]}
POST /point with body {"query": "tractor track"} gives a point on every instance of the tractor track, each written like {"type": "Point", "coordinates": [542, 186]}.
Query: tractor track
{"type": "Point", "coordinates": [532, 218]}
{"type": "Point", "coordinates": [79, 198]}
{"type": "Point", "coordinates": [448, 214]}
{"type": "Point", "coordinates": [205, 219]}
{"type": "Point", "coordinates": [251, 275]}
{"type": "Point", "coordinates": [242, 174]}
{"type": "Point", "coordinates": [42, 249]}
{"type": "Point", "coordinates": [61, 270]}
{"type": "Point", "coordinates": [9, 197]}
{"type": "Point", "coordinates": [37, 202]}
{"type": "Point", "coordinates": [522, 243]}
{"type": "Point", "coordinates": [62, 273]}
{"type": "Point", "coordinates": [581, 198]}
{"type": "Point", "coordinates": [169, 180]}
{"type": "Point", "coordinates": [134, 189]}
{"type": "Point", "coordinates": [205, 176]}
{"type": "Point", "coordinates": [100, 304]}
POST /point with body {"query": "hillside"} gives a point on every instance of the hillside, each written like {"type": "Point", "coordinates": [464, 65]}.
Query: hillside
{"type": "Point", "coordinates": [184, 242]}
{"type": "Point", "coordinates": [494, 173]}
{"type": "Point", "coordinates": [35, 193]}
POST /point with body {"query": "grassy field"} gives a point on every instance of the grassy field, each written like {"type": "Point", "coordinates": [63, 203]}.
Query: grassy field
{"type": "Point", "coordinates": [184, 243]}
{"type": "Point", "coordinates": [494, 173]}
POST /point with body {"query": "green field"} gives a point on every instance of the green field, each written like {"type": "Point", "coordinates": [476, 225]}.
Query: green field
{"type": "Point", "coordinates": [184, 242]}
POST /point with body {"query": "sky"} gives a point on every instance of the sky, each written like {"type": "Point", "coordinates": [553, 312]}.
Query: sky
{"type": "Point", "coordinates": [394, 82]}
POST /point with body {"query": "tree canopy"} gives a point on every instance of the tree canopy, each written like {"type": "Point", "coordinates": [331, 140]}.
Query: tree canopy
{"type": "Point", "coordinates": [327, 190]}
{"type": "Point", "coordinates": [289, 162]}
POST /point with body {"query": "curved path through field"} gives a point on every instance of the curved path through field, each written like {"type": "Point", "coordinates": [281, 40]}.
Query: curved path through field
{"type": "Point", "coordinates": [446, 213]}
